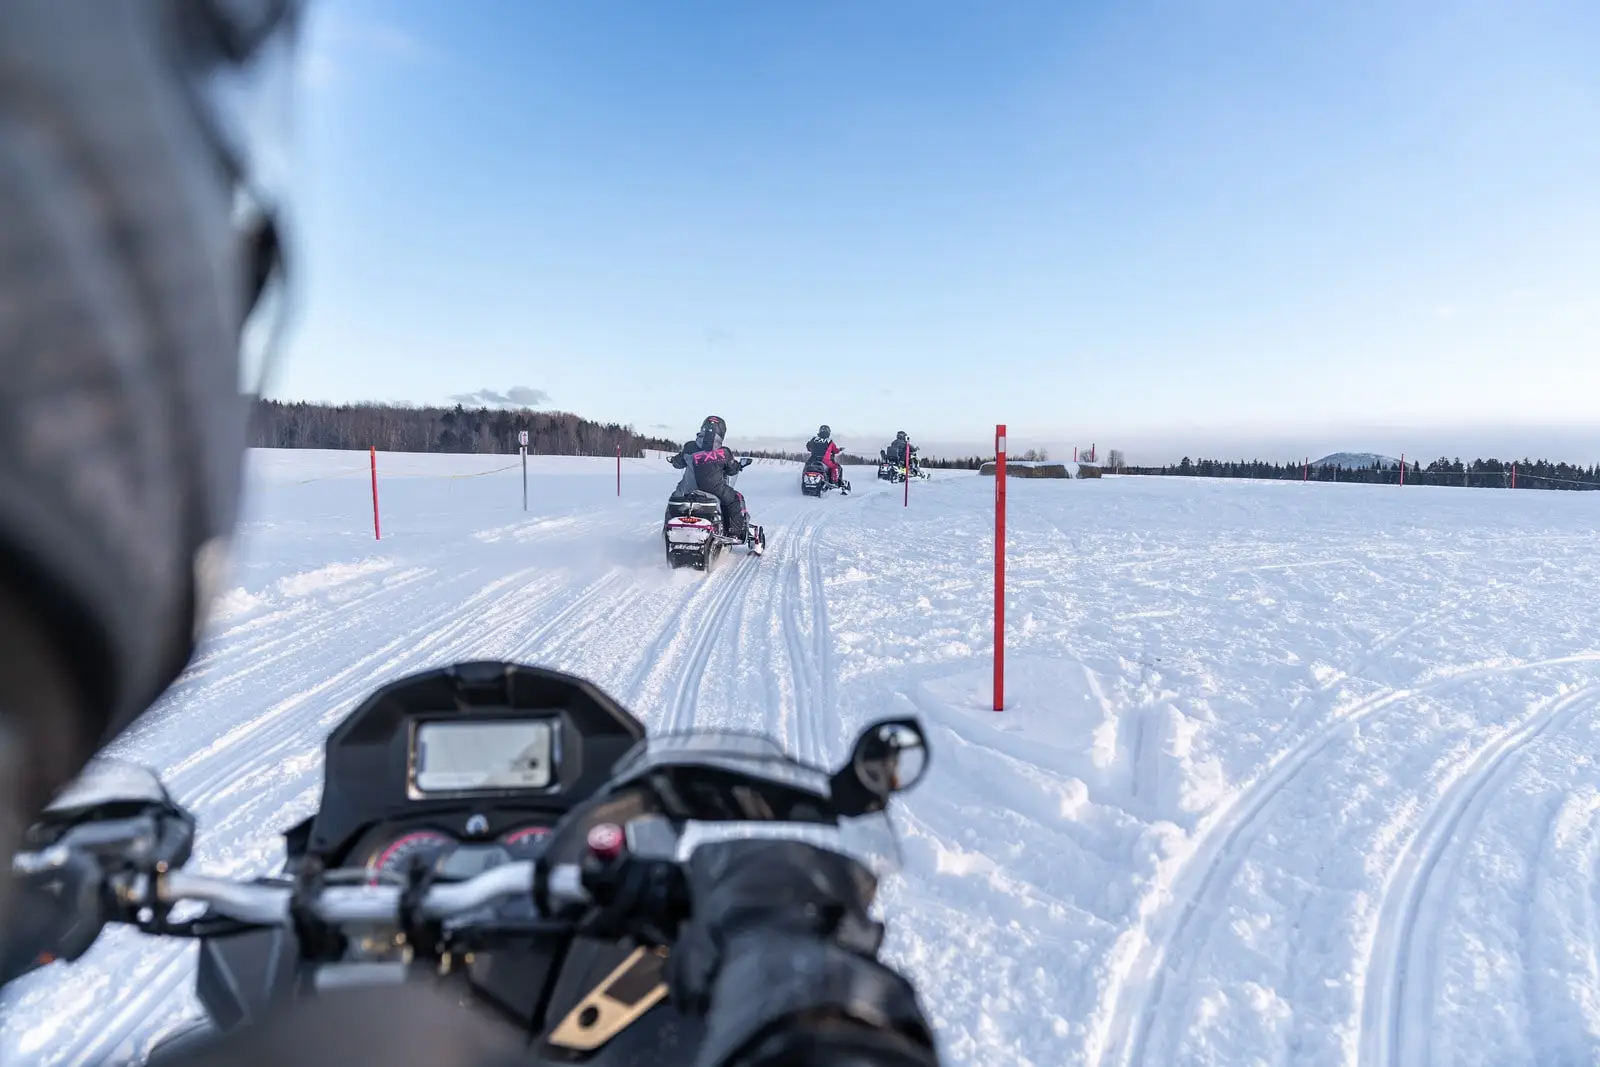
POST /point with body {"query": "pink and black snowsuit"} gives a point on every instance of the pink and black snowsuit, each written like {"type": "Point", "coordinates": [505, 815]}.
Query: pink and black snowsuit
{"type": "Point", "coordinates": [824, 451]}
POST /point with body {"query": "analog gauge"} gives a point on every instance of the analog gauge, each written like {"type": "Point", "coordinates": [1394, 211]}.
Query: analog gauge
{"type": "Point", "coordinates": [525, 843]}
{"type": "Point", "coordinates": [419, 846]}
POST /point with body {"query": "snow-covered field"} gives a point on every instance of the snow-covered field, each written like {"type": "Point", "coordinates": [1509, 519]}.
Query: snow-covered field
{"type": "Point", "coordinates": [1290, 773]}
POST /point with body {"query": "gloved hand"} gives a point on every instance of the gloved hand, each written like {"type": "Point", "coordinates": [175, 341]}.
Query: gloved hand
{"type": "Point", "coordinates": [781, 956]}
{"type": "Point", "coordinates": [56, 914]}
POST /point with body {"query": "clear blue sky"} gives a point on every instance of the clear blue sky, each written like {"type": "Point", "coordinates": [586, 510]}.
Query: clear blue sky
{"type": "Point", "coordinates": [1084, 219]}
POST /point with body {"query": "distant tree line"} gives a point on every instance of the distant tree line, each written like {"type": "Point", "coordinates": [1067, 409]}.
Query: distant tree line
{"type": "Point", "coordinates": [1480, 473]}
{"type": "Point", "coordinates": [397, 428]}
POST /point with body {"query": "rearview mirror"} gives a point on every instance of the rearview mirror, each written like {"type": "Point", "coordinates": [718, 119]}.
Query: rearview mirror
{"type": "Point", "coordinates": [889, 757]}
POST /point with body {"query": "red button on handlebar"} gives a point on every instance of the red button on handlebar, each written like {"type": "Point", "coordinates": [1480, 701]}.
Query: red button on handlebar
{"type": "Point", "coordinates": [606, 841]}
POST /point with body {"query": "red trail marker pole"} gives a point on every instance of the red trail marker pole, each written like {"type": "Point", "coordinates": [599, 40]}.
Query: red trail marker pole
{"type": "Point", "coordinates": [619, 470]}
{"type": "Point", "coordinates": [377, 532]}
{"type": "Point", "coordinates": [906, 463]}
{"type": "Point", "coordinates": [1000, 567]}
{"type": "Point", "coordinates": [1305, 473]}
{"type": "Point", "coordinates": [1513, 476]}
{"type": "Point", "coordinates": [1402, 468]}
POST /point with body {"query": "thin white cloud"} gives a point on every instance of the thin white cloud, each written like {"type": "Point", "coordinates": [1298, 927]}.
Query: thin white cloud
{"type": "Point", "coordinates": [517, 396]}
{"type": "Point", "coordinates": [339, 43]}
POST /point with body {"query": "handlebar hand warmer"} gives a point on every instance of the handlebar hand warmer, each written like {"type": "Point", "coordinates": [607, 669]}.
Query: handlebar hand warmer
{"type": "Point", "coordinates": [57, 913]}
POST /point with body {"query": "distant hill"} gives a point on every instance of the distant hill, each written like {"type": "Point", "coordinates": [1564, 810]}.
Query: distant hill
{"type": "Point", "coordinates": [1355, 459]}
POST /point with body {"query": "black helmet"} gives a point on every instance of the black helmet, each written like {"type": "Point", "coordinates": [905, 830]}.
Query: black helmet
{"type": "Point", "coordinates": [901, 436]}
{"type": "Point", "coordinates": [714, 427]}
{"type": "Point", "coordinates": [824, 432]}
{"type": "Point", "coordinates": [140, 248]}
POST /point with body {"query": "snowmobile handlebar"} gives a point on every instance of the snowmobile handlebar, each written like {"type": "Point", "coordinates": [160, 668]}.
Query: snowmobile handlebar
{"type": "Point", "coordinates": [262, 904]}
{"type": "Point", "coordinates": [333, 902]}
{"type": "Point", "coordinates": [113, 850]}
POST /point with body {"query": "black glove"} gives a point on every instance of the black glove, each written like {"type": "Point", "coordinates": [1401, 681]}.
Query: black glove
{"type": "Point", "coordinates": [56, 914]}
{"type": "Point", "coordinates": [781, 956]}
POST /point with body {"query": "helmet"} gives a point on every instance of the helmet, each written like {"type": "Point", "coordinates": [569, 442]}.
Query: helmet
{"type": "Point", "coordinates": [714, 427]}
{"type": "Point", "coordinates": [141, 249]}
{"type": "Point", "coordinates": [824, 432]}
{"type": "Point", "coordinates": [901, 436]}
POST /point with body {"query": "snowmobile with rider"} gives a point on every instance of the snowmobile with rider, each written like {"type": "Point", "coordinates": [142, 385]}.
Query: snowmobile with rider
{"type": "Point", "coordinates": [822, 471]}
{"type": "Point", "coordinates": [705, 513]}
{"type": "Point", "coordinates": [898, 462]}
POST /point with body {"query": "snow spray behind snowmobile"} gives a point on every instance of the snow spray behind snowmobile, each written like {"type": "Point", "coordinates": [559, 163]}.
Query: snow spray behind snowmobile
{"type": "Point", "coordinates": [695, 532]}
{"type": "Point", "coordinates": [475, 821]}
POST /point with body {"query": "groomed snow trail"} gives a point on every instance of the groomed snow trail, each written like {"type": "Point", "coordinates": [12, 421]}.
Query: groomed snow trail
{"type": "Point", "coordinates": [579, 584]}
{"type": "Point", "coordinates": [1288, 774]}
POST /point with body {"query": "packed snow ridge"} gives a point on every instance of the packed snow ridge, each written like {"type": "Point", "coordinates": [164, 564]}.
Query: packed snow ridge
{"type": "Point", "coordinates": [1289, 773]}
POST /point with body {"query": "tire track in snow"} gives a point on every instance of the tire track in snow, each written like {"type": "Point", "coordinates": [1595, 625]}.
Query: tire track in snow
{"type": "Point", "coordinates": [275, 635]}
{"type": "Point", "coordinates": [585, 601]}
{"type": "Point", "coordinates": [809, 648]}
{"type": "Point", "coordinates": [269, 732]}
{"type": "Point", "coordinates": [1397, 1006]}
{"type": "Point", "coordinates": [804, 674]}
{"type": "Point", "coordinates": [728, 608]}
{"type": "Point", "coordinates": [195, 691]}
{"type": "Point", "coordinates": [1163, 954]}
{"type": "Point", "coordinates": [827, 706]}
{"type": "Point", "coordinates": [722, 606]}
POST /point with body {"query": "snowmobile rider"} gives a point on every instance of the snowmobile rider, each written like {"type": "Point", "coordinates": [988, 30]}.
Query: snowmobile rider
{"type": "Point", "coordinates": [901, 451]}
{"type": "Point", "coordinates": [712, 463]}
{"type": "Point", "coordinates": [824, 450]}
{"type": "Point", "coordinates": [140, 248]}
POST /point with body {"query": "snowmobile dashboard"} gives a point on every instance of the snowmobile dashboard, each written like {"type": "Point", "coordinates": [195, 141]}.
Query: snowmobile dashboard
{"type": "Point", "coordinates": [476, 750]}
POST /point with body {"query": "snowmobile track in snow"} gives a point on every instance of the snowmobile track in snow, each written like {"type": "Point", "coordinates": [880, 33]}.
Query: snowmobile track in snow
{"type": "Point", "coordinates": [1165, 956]}
{"type": "Point", "coordinates": [809, 651]}
{"type": "Point", "coordinates": [1397, 1006]}
{"type": "Point", "coordinates": [724, 595]}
